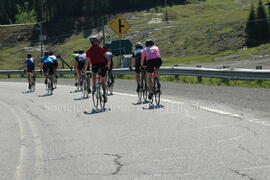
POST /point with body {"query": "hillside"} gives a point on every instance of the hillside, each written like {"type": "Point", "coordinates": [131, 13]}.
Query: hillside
{"type": "Point", "coordinates": [198, 32]}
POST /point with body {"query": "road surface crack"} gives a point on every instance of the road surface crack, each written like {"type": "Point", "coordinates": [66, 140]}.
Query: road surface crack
{"type": "Point", "coordinates": [117, 162]}
{"type": "Point", "coordinates": [242, 174]}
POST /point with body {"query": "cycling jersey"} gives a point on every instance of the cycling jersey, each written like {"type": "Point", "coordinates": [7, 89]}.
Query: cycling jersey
{"type": "Point", "coordinates": [46, 60]}
{"type": "Point", "coordinates": [53, 57]}
{"type": "Point", "coordinates": [151, 53]}
{"type": "Point", "coordinates": [96, 54]}
{"type": "Point", "coordinates": [30, 62]}
{"type": "Point", "coordinates": [137, 54]}
{"type": "Point", "coordinates": [80, 58]}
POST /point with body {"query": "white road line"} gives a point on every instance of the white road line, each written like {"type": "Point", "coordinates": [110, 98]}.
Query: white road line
{"type": "Point", "coordinates": [39, 161]}
{"type": "Point", "coordinates": [218, 111]}
{"type": "Point", "coordinates": [230, 139]}
{"type": "Point", "coordinates": [257, 167]}
{"type": "Point", "coordinates": [19, 173]}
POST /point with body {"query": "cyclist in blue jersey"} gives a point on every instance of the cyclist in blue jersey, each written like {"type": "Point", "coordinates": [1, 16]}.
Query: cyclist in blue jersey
{"type": "Point", "coordinates": [47, 65]}
{"type": "Point", "coordinates": [30, 68]}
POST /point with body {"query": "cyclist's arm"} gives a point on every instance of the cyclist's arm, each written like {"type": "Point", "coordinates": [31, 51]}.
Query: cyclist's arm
{"type": "Point", "coordinates": [142, 59]}
{"type": "Point", "coordinates": [132, 62]}
{"type": "Point", "coordinates": [87, 62]}
{"type": "Point", "coordinates": [108, 59]}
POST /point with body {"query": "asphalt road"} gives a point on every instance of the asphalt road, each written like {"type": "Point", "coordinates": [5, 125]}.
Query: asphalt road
{"type": "Point", "coordinates": [199, 132]}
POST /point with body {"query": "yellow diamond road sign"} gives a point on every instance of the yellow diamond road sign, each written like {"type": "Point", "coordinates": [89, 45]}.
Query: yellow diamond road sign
{"type": "Point", "coordinates": [120, 26]}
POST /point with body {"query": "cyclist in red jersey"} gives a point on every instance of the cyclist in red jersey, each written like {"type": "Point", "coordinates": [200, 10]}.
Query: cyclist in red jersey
{"type": "Point", "coordinates": [95, 55]}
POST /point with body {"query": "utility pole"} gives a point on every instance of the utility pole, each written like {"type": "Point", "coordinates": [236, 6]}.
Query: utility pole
{"type": "Point", "coordinates": [103, 31]}
{"type": "Point", "coordinates": [41, 38]}
{"type": "Point", "coordinates": [166, 13]}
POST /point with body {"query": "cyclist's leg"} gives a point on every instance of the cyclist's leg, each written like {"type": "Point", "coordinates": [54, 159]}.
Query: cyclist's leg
{"type": "Point", "coordinates": [103, 72]}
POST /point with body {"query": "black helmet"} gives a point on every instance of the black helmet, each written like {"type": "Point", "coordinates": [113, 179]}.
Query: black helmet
{"type": "Point", "coordinates": [149, 43]}
{"type": "Point", "coordinates": [46, 53]}
{"type": "Point", "coordinates": [51, 53]}
{"type": "Point", "coordinates": [75, 52]}
{"type": "Point", "coordinates": [138, 45]}
{"type": "Point", "coordinates": [80, 51]}
{"type": "Point", "coordinates": [29, 55]}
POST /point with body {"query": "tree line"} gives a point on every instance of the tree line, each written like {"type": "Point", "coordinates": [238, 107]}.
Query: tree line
{"type": "Point", "coordinates": [258, 25]}
{"type": "Point", "coordinates": [17, 11]}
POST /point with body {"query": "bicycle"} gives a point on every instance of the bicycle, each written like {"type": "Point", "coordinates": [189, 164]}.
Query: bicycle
{"type": "Point", "coordinates": [32, 82]}
{"type": "Point", "coordinates": [85, 86]}
{"type": "Point", "coordinates": [109, 80]}
{"type": "Point", "coordinates": [80, 81]}
{"type": "Point", "coordinates": [156, 89]}
{"type": "Point", "coordinates": [49, 84]}
{"type": "Point", "coordinates": [98, 98]}
{"type": "Point", "coordinates": [143, 91]}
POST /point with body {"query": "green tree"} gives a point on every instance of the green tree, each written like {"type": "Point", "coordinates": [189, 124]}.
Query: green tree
{"type": "Point", "coordinates": [262, 24]}
{"type": "Point", "coordinates": [251, 28]}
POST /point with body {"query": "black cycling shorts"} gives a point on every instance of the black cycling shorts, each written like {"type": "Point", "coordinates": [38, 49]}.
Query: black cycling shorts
{"type": "Point", "coordinates": [151, 64]}
{"type": "Point", "coordinates": [30, 69]}
{"type": "Point", "coordinates": [55, 64]}
{"type": "Point", "coordinates": [102, 67]}
{"type": "Point", "coordinates": [81, 65]}
{"type": "Point", "coordinates": [48, 67]}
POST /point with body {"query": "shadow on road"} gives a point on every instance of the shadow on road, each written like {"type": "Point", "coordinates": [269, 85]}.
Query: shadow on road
{"type": "Point", "coordinates": [45, 95]}
{"type": "Point", "coordinates": [153, 107]}
{"type": "Point", "coordinates": [27, 92]}
{"type": "Point", "coordinates": [96, 111]}
{"type": "Point", "coordinates": [140, 103]}
{"type": "Point", "coordinates": [80, 99]}
{"type": "Point", "coordinates": [75, 91]}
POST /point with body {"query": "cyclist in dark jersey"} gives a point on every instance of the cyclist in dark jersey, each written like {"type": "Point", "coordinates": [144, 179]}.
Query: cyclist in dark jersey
{"type": "Point", "coordinates": [30, 68]}
{"type": "Point", "coordinates": [136, 62]}
{"type": "Point", "coordinates": [95, 56]}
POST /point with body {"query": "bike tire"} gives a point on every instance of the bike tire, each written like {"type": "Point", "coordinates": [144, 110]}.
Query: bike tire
{"type": "Point", "coordinates": [85, 90]}
{"type": "Point", "coordinates": [145, 89]}
{"type": "Point", "coordinates": [156, 93]}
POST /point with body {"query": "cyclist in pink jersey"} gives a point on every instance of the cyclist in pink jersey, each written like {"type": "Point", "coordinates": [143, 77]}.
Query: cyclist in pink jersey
{"type": "Point", "coordinates": [152, 58]}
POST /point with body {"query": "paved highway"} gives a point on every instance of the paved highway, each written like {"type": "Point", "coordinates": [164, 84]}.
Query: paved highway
{"type": "Point", "coordinates": [188, 137]}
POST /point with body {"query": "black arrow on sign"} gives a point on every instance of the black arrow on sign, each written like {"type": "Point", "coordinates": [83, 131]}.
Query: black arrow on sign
{"type": "Point", "coordinates": [120, 26]}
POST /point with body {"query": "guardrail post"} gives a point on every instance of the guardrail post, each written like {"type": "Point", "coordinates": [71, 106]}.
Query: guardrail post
{"type": "Point", "coordinates": [176, 76]}
{"type": "Point", "coordinates": [259, 81]}
{"type": "Point", "coordinates": [8, 75]}
{"type": "Point", "coordinates": [199, 77]}
{"type": "Point", "coordinates": [22, 75]}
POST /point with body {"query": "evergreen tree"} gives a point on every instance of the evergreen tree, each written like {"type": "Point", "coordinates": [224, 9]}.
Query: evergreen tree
{"type": "Point", "coordinates": [262, 24]}
{"type": "Point", "coordinates": [251, 28]}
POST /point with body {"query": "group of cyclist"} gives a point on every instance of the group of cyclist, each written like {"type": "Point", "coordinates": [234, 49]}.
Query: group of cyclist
{"type": "Point", "coordinates": [148, 59]}
{"type": "Point", "coordinates": [100, 60]}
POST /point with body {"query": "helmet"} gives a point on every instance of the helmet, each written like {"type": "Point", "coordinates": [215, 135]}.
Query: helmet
{"type": "Point", "coordinates": [80, 51]}
{"type": "Point", "coordinates": [46, 53]}
{"type": "Point", "coordinates": [51, 53]}
{"type": "Point", "coordinates": [76, 52]}
{"type": "Point", "coordinates": [29, 55]}
{"type": "Point", "coordinates": [138, 45]}
{"type": "Point", "coordinates": [149, 43]}
{"type": "Point", "coordinates": [109, 54]}
{"type": "Point", "coordinates": [93, 39]}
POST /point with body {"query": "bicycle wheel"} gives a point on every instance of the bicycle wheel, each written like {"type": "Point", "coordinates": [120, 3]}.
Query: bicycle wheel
{"type": "Point", "coordinates": [101, 98]}
{"type": "Point", "coordinates": [157, 90]}
{"type": "Point", "coordinates": [33, 85]}
{"type": "Point", "coordinates": [145, 89]}
{"type": "Point", "coordinates": [84, 89]}
{"type": "Point", "coordinates": [54, 81]}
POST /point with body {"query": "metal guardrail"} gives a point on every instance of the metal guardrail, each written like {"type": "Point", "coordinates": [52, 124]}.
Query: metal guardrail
{"type": "Point", "coordinates": [229, 73]}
